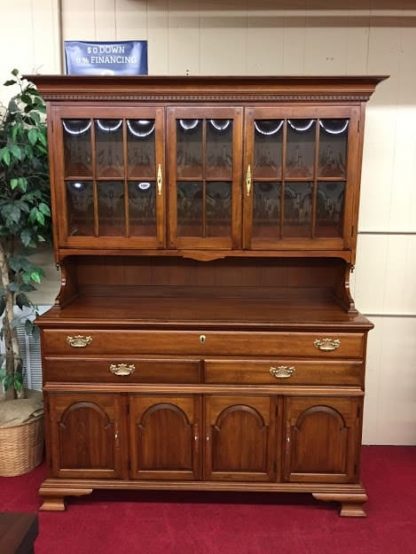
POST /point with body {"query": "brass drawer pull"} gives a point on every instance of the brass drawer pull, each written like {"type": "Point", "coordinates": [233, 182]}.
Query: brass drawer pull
{"type": "Point", "coordinates": [282, 371]}
{"type": "Point", "coordinates": [78, 341]}
{"type": "Point", "coordinates": [327, 345]}
{"type": "Point", "coordinates": [122, 369]}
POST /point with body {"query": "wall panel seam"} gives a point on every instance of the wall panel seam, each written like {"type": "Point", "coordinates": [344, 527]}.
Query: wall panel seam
{"type": "Point", "coordinates": [388, 233]}
{"type": "Point", "coordinates": [392, 315]}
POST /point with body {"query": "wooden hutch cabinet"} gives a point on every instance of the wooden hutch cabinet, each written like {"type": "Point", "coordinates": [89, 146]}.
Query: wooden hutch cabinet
{"type": "Point", "coordinates": [204, 337]}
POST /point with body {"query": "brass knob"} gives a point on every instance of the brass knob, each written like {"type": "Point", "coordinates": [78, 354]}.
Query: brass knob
{"type": "Point", "coordinates": [282, 371]}
{"type": "Point", "coordinates": [327, 345]}
{"type": "Point", "coordinates": [122, 370]}
{"type": "Point", "coordinates": [78, 341]}
{"type": "Point", "coordinates": [202, 339]}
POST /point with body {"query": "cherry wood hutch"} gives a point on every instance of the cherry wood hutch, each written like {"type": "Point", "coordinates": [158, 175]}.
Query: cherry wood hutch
{"type": "Point", "coordinates": [205, 337]}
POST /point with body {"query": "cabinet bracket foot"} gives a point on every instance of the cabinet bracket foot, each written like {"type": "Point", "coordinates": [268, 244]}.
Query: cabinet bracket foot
{"type": "Point", "coordinates": [53, 499]}
{"type": "Point", "coordinates": [351, 504]}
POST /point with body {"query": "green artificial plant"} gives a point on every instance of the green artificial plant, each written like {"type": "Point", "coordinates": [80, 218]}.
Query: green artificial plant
{"type": "Point", "coordinates": [24, 218]}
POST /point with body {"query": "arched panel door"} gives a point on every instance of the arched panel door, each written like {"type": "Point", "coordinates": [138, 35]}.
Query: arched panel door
{"type": "Point", "coordinates": [240, 438]}
{"type": "Point", "coordinates": [322, 439]}
{"type": "Point", "coordinates": [164, 437]}
{"type": "Point", "coordinates": [86, 435]}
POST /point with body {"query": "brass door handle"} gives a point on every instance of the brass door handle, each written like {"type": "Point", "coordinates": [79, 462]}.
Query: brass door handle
{"type": "Point", "coordinates": [159, 180]}
{"type": "Point", "coordinates": [122, 370]}
{"type": "Point", "coordinates": [282, 371]}
{"type": "Point", "coordinates": [78, 341]}
{"type": "Point", "coordinates": [327, 345]}
{"type": "Point", "coordinates": [248, 180]}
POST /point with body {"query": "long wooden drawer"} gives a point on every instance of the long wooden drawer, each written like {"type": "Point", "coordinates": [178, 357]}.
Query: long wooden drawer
{"type": "Point", "coordinates": [285, 372]}
{"type": "Point", "coordinates": [121, 370]}
{"type": "Point", "coordinates": [202, 343]}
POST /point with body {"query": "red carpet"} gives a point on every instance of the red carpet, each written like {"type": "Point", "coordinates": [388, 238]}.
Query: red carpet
{"type": "Point", "coordinates": [202, 523]}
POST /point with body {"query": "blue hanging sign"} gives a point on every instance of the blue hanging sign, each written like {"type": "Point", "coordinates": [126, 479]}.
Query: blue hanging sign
{"type": "Point", "coordinates": [106, 58]}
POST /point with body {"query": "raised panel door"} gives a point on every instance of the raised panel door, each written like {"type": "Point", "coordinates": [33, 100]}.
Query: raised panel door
{"type": "Point", "coordinates": [110, 174]}
{"type": "Point", "coordinates": [205, 149]}
{"type": "Point", "coordinates": [240, 438]}
{"type": "Point", "coordinates": [88, 437]}
{"type": "Point", "coordinates": [301, 175]}
{"type": "Point", "coordinates": [165, 437]}
{"type": "Point", "coordinates": [322, 439]}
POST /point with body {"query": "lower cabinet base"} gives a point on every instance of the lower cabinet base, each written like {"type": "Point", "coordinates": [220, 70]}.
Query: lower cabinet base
{"type": "Point", "coordinates": [351, 497]}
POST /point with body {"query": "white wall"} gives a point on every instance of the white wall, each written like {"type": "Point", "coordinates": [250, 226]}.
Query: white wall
{"type": "Point", "coordinates": [288, 37]}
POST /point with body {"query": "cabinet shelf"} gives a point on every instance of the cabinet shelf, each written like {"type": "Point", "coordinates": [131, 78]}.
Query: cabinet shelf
{"type": "Point", "coordinates": [299, 309]}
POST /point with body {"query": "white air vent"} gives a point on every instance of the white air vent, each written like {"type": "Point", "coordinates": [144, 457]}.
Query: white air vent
{"type": "Point", "coordinates": [30, 349]}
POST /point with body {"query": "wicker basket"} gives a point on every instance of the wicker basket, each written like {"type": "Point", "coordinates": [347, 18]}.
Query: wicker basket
{"type": "Point", "coordinates": [21, 447]}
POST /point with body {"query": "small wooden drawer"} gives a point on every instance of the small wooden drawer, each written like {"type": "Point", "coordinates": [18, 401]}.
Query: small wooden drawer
{"type": "Point", "coordinates": [202, 343]}
{"type": "Point", "coordinates": [284, 372]}
{"type": "Point", "coordinates": [121, 370]}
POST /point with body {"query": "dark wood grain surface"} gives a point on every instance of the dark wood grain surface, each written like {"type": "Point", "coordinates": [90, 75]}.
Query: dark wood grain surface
{"type": "Point", "coordinates": [18, 533]}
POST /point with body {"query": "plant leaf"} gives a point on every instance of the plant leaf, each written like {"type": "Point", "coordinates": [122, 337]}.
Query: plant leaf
{"type": "Point", "coordinates": [35, 276]}
{"type": "Point", "coordinates": [16, 151]}
{"type": "Point", "coordinates": [42, 138]}
{"type": "Point", "coordinates": [44, 208]}
{"type": "Point", "coordinates": [22, 300]}
{"type": "Point", "coordinates": [26, 236]}
{"type": "Point", "coordinates": [40, 218]}
{"type": "Point", "coordinates": [33, 136]}
{"type": "Point", "coordinates": [6, 155]}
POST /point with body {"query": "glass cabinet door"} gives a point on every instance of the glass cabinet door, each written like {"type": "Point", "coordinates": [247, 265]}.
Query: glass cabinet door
{"type": "Point", "coordinates": [205, 176]}
{"type": "Point", "coordinates": [113, 177]}
{"type": "Point", "coordinates": [299, 177]}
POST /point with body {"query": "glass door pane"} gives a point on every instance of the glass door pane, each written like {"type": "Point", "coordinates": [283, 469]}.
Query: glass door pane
{"type": "Point", "coordinates": [330, 209]}
{"type": "Point", "coordinates": [297, 213]}
{"type": "Point", "coordinates": [218, 209]}
{"type": "Point", "coordinates": [141, 148]}
{"type": "Point", "coordinates": [333, 135]}
{"type": "Point", "coordinates": [266, 209]}
{"type": "Point", "coordinates": [114, 176]}
{"type": "Point", "coordinates": [219, 149]}
{"type": "Point", "coordinates": [141, 163]}
{"type": "Point", "coordinates": [80, 206]}
{"type": "Point", "coordinates": [189, 148]}
{"type": "Point", "coordinates": [190, 196]}
{"type": "Point", "coordinates": [111, 216]}
{"type": "Point", "coordinates": [77, 147]}
{"type": "Point", "coordinates": [300, 148]}
{"type": "Point", "coordinates": [142, 208]}
{"type": "Point", "coordinates": [296, 170]}
{"type": "Point", "coordinates": [109, 148]}
{"type": "Point", "coordinates": [204, 171]}
{"type": "Point", "coordinates": [268, 140]}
